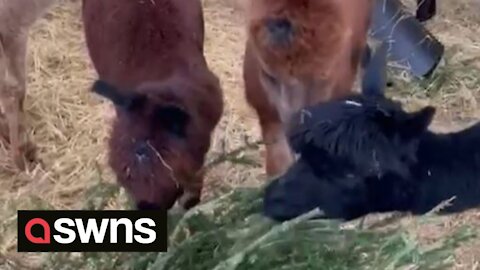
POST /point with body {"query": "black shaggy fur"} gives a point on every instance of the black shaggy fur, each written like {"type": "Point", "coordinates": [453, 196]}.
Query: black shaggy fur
{"type": "Point", "coordinates": [365, 154]}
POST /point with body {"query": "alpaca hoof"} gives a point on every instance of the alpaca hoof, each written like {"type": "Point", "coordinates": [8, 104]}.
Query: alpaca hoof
{"type": "Point", "coordinates": [24, 156]}
{"type": "Point", "coordinates": [30, 151]}
{"type": "Point", "coordinates": [19, 161]}
{"type": "Point", "coordinates": [188, 201]}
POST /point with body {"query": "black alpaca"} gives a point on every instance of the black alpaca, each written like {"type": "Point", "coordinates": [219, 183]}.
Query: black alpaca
{"type": "Point", "coordinates": [365, 154]}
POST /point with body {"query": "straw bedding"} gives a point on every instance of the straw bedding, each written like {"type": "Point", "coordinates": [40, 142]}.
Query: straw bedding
{"type": "Point", "coordinates": [69, 125]}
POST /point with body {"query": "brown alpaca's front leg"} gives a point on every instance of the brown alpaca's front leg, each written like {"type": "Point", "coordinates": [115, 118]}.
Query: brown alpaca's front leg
{"type": "Point", "coordinates": [278, 156]}
{"type": "Point", "coordinates": [189, 200]}
{"type": "Point", "coordinates": [3, 76]}
{"type": "Point", "coordinates": [191, 187]}
{"type": "Point", "coordinates": [13, 95]}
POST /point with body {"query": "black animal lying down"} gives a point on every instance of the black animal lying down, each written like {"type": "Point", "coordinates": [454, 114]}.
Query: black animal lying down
{"type": "Point", "coordinates": [365, 154]}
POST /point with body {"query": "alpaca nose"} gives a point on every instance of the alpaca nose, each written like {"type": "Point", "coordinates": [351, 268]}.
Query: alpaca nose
{"type": "Point", "coordinates": [142, 151]}
{"type": "Point", "coordinates": [148, 206]}
{"type": "Point", "coordinates": [281, 31]}
{"type": "Point", "coordinates": [275, 208]}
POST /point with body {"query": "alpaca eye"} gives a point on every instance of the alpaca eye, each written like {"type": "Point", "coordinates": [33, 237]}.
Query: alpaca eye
{"type": "Point", "coordinates": [383, 111]}
{"type": "Point", "coordinates": [172, 119]}
{"type": "Point", "coordinates": [269, 78]}
{"type": "Point", "coordinates": [403, 159]}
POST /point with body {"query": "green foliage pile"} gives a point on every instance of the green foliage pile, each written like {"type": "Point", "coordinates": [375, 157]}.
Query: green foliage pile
{"type": "Point", "coordinates": [229, 233]}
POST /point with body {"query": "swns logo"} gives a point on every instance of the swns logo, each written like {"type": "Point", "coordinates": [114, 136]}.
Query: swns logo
{"type": "Point", "coordinates": [106, 231]}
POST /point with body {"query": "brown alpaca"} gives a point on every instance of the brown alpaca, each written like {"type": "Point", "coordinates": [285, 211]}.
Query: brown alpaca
{"type": "Point", "coordinates": [298, 53]}
{"type": "Point", "coordinates": [16, 19]}
{"type": "Point", "coordinates": [150, 62]}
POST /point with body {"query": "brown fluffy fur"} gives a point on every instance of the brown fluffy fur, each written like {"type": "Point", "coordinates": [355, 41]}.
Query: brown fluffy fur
{"type": "Point", "coordinates": [318, 63]}
{"type": "Point", "coordinates": [155, 49]}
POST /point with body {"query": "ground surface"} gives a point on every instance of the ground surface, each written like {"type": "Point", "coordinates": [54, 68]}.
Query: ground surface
{"type": "Point", "coordinates": [69, 125]}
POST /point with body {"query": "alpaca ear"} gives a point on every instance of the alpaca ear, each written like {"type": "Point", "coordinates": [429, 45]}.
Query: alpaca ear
{"type": "Point", "coordinates": [128, 102]}
{"type": "Point", "coordinates": [418, 122]}
{"type": "Point", "coordinates": [173, 118]}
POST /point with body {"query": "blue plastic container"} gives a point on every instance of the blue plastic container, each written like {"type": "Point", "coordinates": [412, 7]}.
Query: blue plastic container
{"type": "Point", "coordinates": [411, 46]}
